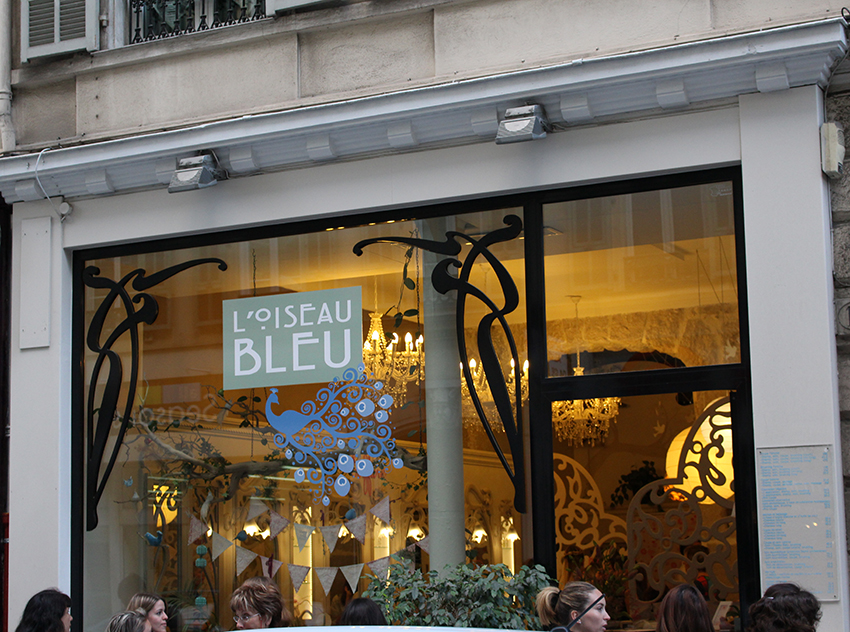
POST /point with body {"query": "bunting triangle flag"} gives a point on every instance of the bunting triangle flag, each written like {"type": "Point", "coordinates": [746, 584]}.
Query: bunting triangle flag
{"type": "Point", "coordinates": [352, 575]}
{"type": "Point", "coordinates": [382, 510]}
{"type": "Point", "coordinates": [358, 528]}
{"type": "Point", "coordinates": [331, 535]}
{"type": "Point", "coordinates": [243, 558]}
{"type": "Point", "coordinates": [317, 614]}
{"type": "Point", "coordinates": [297, 574]}
{"type": "Point", "coordinates": [219, 545]}
{"type": "Point", "coordinates": [380, 567]}
{"type": "Point", "coordinates": [424, 544]}
{"type": "Point", "coordinates": [270, 566]}
{"type": "Point", "coordinates": [302, 534]}
{"type": "Point", "coordinates": [255, 508]}
{"type": "Point", "coordinates": [326, 576]}
{"type": "Point", "coordinates": [196, 529]}
{"type": "Point", "coordinates": [277, 523]}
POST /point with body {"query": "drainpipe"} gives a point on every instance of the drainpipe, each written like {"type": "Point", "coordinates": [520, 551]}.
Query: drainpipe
{"type": "Point", "coordinates": [7, 130]}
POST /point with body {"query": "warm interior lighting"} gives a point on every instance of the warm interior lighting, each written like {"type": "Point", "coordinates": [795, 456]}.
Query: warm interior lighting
{"type": "Point", "coordinates": [479, 380]}
{"type": "Point", "coordinates": [253, 530]}
{"type": "Point", "coordinates": [165, 502]}
{"type": "Point", "coordinates": [386, 362]}
{"type": "Point", "coordinates": [415, 532]}
{"type": "Point", "coordinates": [718, 423]}
{"type": "Point", "coordinates": [386, 532]}
{"type": "Point", "coordinates": [478, 535]}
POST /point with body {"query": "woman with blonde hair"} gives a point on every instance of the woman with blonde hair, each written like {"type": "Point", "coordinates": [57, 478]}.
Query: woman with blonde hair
{"type": "Point", "coordinates": [258, 604]}
{"type": "Point", "coordinates": [129, 621]}
{"type": "Point", "coordinates": [579, 607]}
{"type": "Point", "coordinates": [154, 608]}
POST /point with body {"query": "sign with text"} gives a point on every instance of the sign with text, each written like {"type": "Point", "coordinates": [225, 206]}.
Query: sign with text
{"type": "Point", "coordinates": [298, 338]}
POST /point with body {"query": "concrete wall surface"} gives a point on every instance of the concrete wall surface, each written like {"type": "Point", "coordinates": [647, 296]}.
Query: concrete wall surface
{"type": "Point", "coordinates": [357, 49]}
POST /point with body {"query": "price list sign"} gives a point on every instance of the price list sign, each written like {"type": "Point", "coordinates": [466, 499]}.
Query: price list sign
{"type": "Point", "coordinates": [798, 518]}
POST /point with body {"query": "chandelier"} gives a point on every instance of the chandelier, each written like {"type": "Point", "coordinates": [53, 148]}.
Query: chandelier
{"type": "Point", "coordinates": [584, 421]}
{"type": "Point", "coordinates": [470, 415]}
{"type": "Point", "coordinates": [387, 363]}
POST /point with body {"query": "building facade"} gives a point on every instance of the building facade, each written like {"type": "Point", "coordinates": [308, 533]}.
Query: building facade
{"type": "Point", "coordinates": [391, 334]}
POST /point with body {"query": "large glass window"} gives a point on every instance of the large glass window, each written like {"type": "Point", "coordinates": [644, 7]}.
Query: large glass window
{"type": "Point", "coordinates": [279, 405]}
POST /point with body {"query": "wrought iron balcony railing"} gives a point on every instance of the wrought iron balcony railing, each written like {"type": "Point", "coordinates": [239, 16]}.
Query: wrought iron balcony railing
{"type": "Point", "coordinates": [157, 19]}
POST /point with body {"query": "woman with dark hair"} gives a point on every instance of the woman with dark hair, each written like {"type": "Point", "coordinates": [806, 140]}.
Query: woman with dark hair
{"type": "Point", "coordinates": [362, 611]}
{"type": "Point", "coordinates": [154, 608]}
{"type": "Point", "coordinates": [683, 609]}
{"type": "Point", "coordinates": [129, 621]}
{"type": "Point", "coordinates": [258, 604]}
{"type": "Point", "coordinates": [579, 605]}
{"type": "Point", "coordinates": [785, 608]}
{"type": "Point", "coordinates": [47, 611]}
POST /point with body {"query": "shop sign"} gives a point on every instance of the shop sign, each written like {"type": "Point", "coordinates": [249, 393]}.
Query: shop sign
{"type": "Point", "coordinates": [297, 338]}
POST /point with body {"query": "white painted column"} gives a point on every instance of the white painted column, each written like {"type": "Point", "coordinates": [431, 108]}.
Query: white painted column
{"type": "Point", "coordinates": [790, 290]}
{"type": "Point", "coordinates": [446, 517]}
{"type": "Point", "coordinates": [40, 409]}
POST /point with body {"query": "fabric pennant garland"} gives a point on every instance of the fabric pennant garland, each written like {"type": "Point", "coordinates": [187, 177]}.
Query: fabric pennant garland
{"type": "Point", "coordinates": [302, 534]}
{"type": "Point", "coordinates": [326, 576]}
{"type": "Point", "coordinates": [270, 566]}
{"type": "Point", "coordinates": [352, 575]}
{"type": "Point", "coordinates": [331, 535]}
{"type": "Point", "coordinates": [424, 544]}
{"type": "Point", "coordinates": [380, 567]}
{"type": "Point", "coordinates": [219, 545]}
{"type": "Point", "coordinates": [243, 558]}
{"type": "Point", "coordinates": [382, 510]}
{"type": "Point", "coordinates": [357, 527]}
{"type": "Point", "coordinates": [196, 529]}
{"type": "Point", "coordinates": [277, 523]}
{"type": "Point", "coordinates": [297, 574]}
{"type": "Point", "coordinates": [256, 508]}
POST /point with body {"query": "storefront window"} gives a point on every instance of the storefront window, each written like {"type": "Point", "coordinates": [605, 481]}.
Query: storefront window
{"type": "Point", "coordinates": [232, 465]}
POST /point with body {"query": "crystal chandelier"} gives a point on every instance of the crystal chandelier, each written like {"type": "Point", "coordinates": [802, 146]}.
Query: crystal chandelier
{"type": "Point", "coordinates": [470, 415]}
{"type": "Point", "coordinates": [387, 363]}
{"type": "Point", "coordinates": [584, 421]}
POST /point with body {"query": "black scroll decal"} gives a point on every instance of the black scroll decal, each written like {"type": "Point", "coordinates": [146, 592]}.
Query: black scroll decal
{"type": "Point", "coordinates": [141, 308]}
{"type": "Point", "coordinates": [443, 281]}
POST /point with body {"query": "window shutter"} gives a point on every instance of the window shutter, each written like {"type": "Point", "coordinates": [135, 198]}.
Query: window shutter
{"type": "Point", "coordinates": [49, 27]}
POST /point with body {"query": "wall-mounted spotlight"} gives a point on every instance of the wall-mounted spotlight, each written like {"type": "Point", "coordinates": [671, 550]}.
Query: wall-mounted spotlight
{"type": "Point", "coordinates": [196, 172]}
{"type": "Point", "coordinates": [524, 123]}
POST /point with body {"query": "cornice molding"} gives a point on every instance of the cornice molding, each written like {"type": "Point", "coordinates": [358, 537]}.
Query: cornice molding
{"type": "Point", "coordinates": [583, 92]}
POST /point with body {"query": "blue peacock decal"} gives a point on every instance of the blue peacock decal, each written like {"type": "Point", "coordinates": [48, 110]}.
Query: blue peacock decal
{"type": "Point", "coordinates": [344, 433]}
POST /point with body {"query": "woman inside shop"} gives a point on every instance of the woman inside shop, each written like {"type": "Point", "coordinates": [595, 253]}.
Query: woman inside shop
{"type": "Point", "coordinates": [683, 609]}
{"type": "Point", "coordinates": [580, 607]}
{"type": "Point", "coordinates": [785, 608]}
{"type": "Point", "coordinates": [154, 608]}
{"type": "Point", "coordinates": [47, 611]}
{"type": "Point", "coordinates": [258, 604]}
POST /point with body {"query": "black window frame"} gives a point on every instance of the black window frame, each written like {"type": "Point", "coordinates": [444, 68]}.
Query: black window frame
{"type": "Point", "coordinates": [543, 389]}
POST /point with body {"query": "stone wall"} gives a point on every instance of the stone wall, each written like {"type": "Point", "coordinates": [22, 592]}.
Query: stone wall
{"type": "Point", "coordinates": [838, 109]}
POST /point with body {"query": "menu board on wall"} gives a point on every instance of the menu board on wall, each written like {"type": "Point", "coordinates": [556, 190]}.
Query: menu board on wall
{"type": "Point", "coordinates": [798, 522]}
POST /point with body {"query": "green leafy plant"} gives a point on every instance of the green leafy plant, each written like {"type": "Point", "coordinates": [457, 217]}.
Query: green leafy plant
{"type": "Point", "coordinates": [631, 482]}
{"type": "Point", "coordinates": [464, 596]}
{"type": "Point", "coordinates": [606, 567]}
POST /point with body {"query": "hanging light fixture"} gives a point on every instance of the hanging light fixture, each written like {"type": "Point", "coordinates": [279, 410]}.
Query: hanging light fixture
{"type": "Point", "coordinates": [387, 363]}
{"type": "Point", "coordinates": [584, 421]}
{"type": "Point", "coordinates": [470, 415]}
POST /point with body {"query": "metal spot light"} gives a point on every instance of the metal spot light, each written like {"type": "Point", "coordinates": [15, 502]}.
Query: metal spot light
{"type": "Point", "coordinates": [196, 172]}
{"type": "Point", "coordinates": [524, 123]}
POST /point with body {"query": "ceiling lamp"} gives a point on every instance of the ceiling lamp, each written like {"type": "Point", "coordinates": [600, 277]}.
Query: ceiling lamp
{"type": "Point", "coordinates": [584, 421]}
{"type": "Point", "coordinates": [470, 415]}
{"type": "Point", "coordinates": [395, 367]}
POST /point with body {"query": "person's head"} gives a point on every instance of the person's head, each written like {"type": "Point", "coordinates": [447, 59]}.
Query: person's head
{"type": "Point", "coordinates": [154, 608]}
{"type": "Point", "coordinates": [561, 607]}
{"type": "Point", "coordinates": [683, 609]}
{"type": "Point", "coordinates": [47, 611]}
{"type": "Point", "coordinates": [362, 611]}
{"type": "Point", "coordinates": [129, 621]}
{"type": "Point", "coordinates": [784, 608]}
{"type": "Point", "coordinates": [258, 604]}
